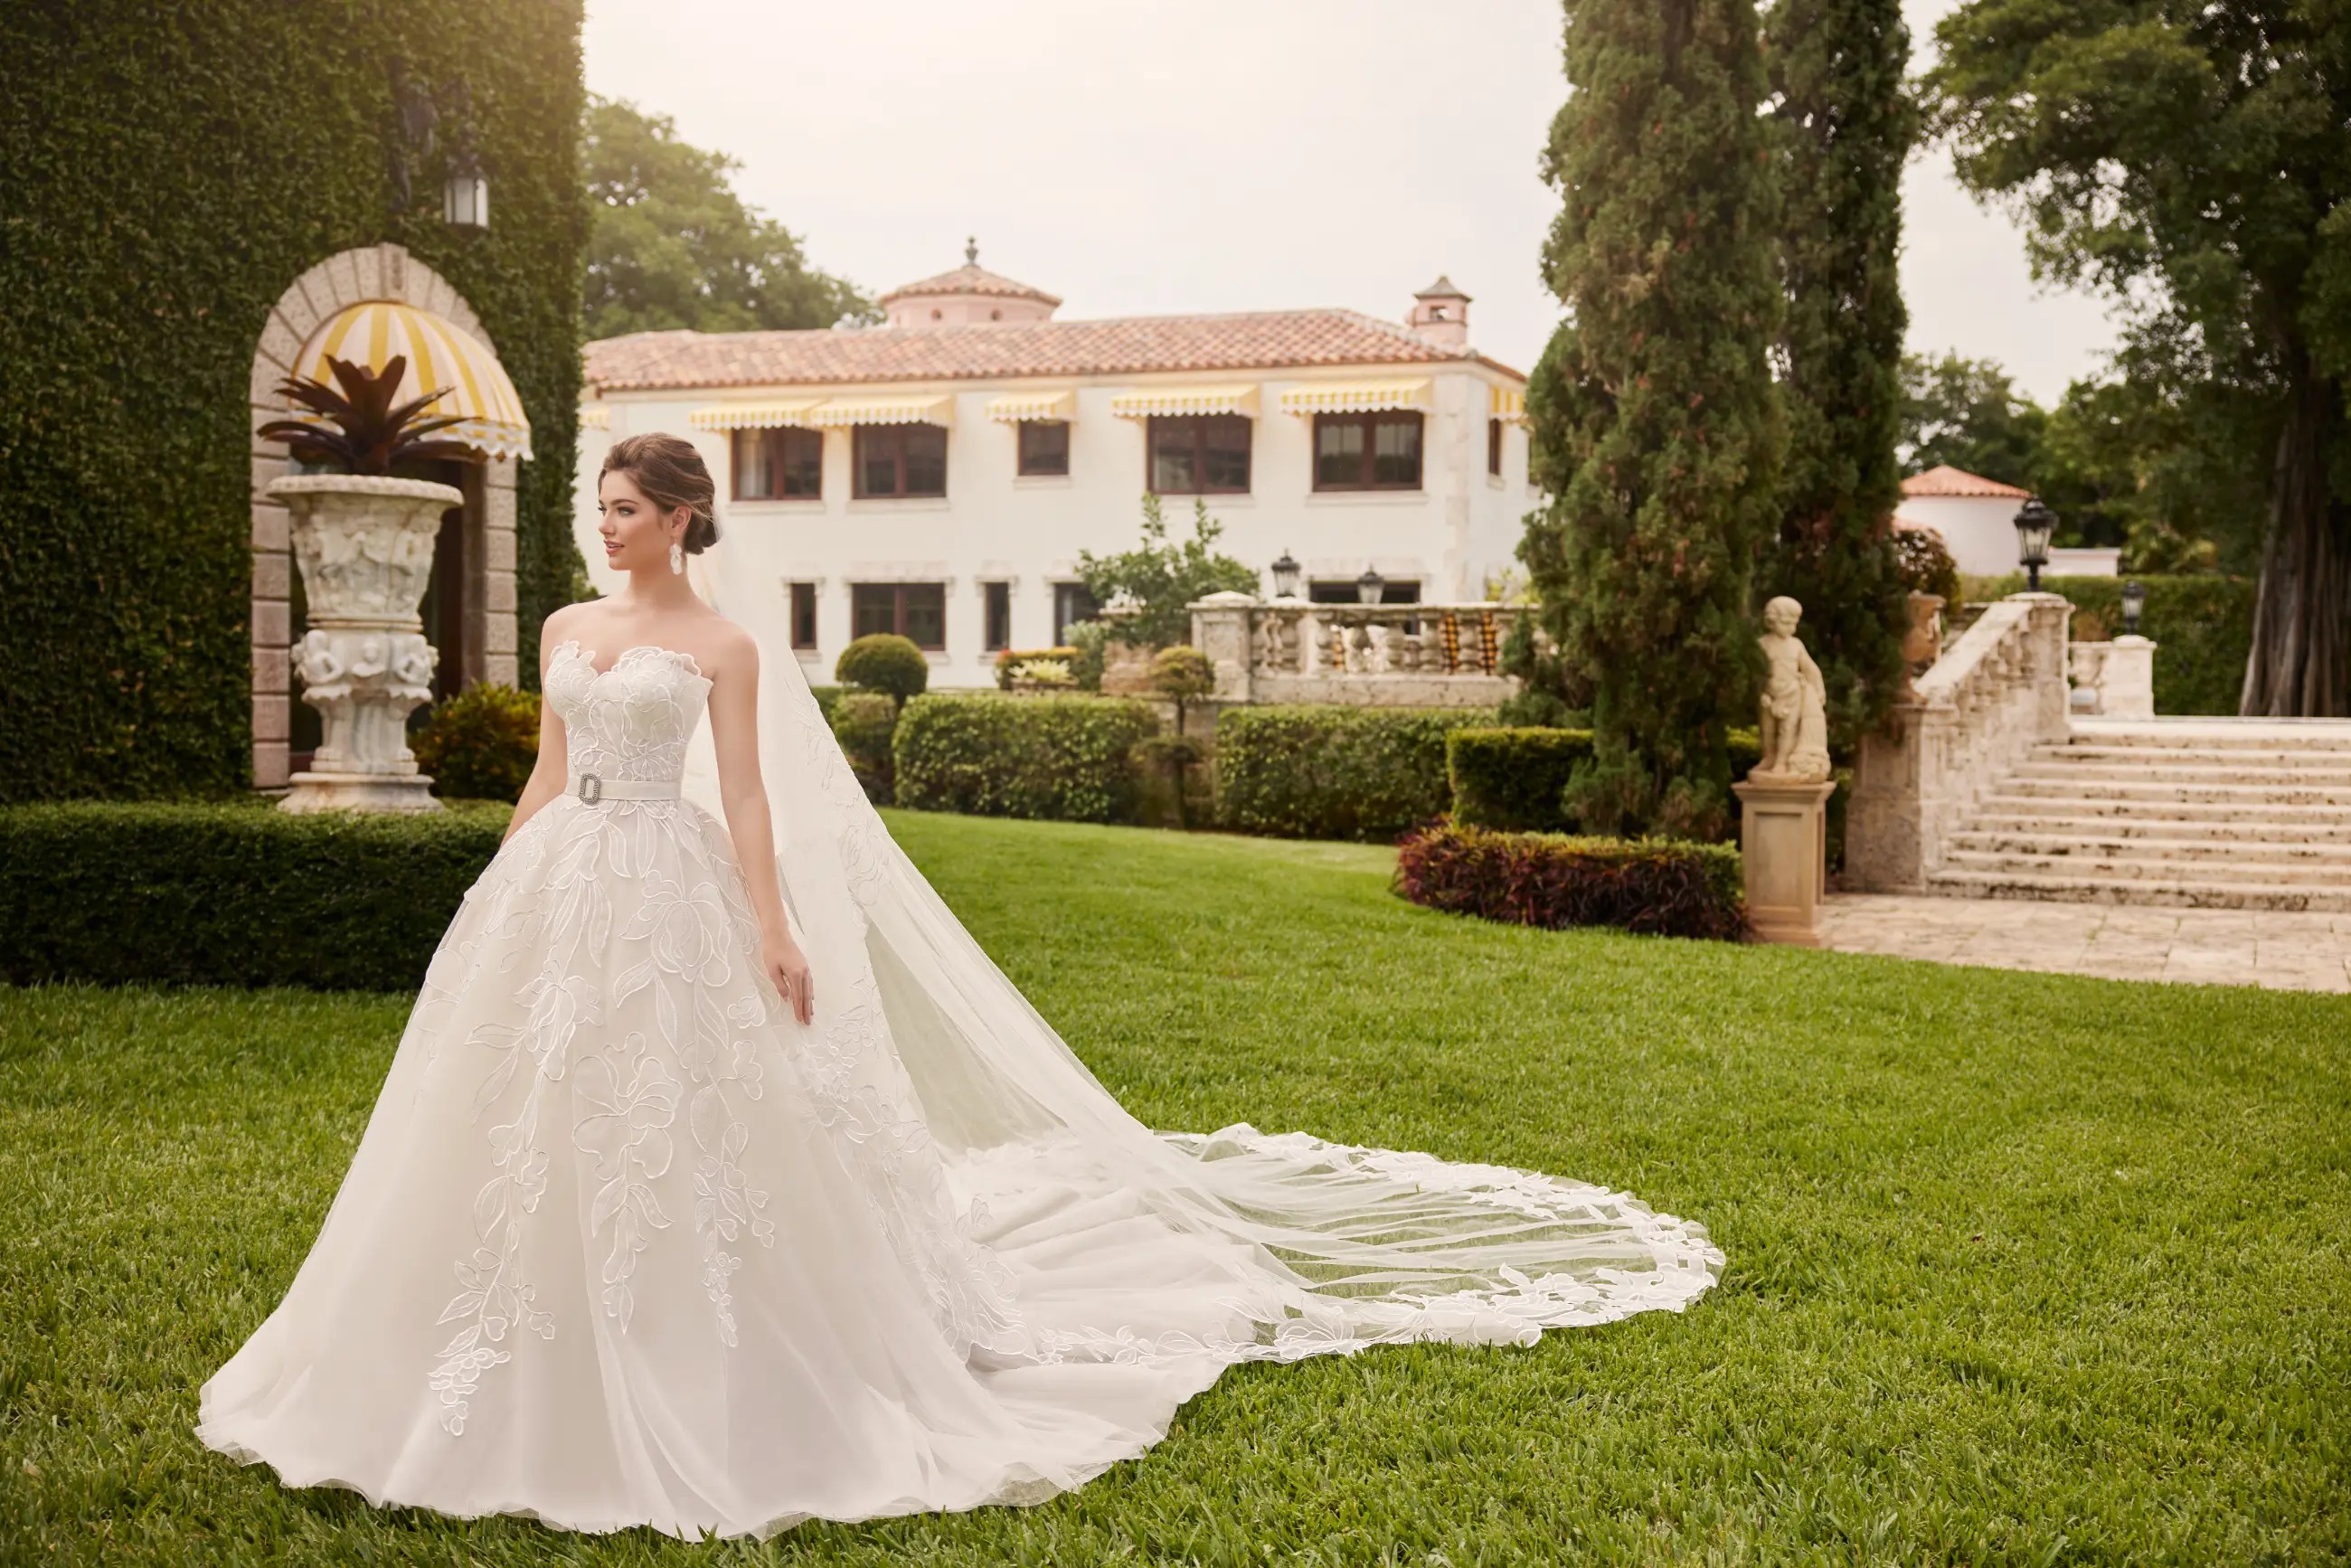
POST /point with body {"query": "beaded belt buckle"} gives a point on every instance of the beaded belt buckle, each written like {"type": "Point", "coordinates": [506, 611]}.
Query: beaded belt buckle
{"type": "Point", "coordinates": [591, 789]}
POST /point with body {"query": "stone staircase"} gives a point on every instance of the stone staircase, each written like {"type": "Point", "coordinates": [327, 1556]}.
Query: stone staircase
{"type": "Point", "coordinates": [2203, 813]}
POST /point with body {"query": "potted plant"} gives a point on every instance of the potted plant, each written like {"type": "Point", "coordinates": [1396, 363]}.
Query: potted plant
{"type": "Point", "coordinates": [363, 540]}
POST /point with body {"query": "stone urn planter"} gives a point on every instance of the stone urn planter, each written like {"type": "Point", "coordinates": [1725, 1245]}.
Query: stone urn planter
{"type": "Point", "coordinates": [364, 545]}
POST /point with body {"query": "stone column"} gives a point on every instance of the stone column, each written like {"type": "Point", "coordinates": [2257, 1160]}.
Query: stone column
{"type": "Point", "coordinates": [496, 634]}
{"type": "Point", "coordinates": [1220, 629]}
{"type": "Point", "coordinates": [2127, 679]}
{"type": "Point", "coordinates": [1783, 856]}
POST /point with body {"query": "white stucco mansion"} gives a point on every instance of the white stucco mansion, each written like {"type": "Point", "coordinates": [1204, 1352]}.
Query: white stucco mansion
{"type": "Point", "coordinates": [937, 476]}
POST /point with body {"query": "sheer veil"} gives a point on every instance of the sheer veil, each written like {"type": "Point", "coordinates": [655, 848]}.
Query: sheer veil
{"type": "Point", "coordinates": [1051, 1225]}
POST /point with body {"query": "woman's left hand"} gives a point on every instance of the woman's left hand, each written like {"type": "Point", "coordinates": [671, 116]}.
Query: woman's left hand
{"type": "Point", "coordinates": [787, 968]}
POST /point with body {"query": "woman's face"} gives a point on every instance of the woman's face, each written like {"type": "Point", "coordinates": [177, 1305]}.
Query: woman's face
{"type": "Point", "coordinates": [637, 534]}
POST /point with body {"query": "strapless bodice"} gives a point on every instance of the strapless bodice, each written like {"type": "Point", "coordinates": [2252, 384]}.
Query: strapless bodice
{"type": "Point", "coordinates": [631, 721]}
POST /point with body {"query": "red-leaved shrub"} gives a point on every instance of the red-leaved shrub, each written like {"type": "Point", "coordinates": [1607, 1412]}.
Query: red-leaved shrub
{"type": "Point", "coordinates": [1660, 886]}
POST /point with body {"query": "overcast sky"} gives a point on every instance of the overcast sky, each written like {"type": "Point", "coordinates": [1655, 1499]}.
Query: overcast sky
{"type": "Point", "coordinates": [1157, 156]}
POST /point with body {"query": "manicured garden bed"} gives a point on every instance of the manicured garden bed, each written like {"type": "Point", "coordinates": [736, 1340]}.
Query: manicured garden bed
{"type": "Point", "coordinates": [2021, 1267]}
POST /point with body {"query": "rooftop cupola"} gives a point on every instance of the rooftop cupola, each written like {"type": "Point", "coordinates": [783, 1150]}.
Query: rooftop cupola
{"type": "Point", "coordinates": [1440, 313]}
{"type": "Point", "coordinates": [971, 294]}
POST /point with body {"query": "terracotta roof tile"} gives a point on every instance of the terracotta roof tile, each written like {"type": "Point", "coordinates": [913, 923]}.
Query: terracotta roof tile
{"type": "Point", "coordinates": [1269, 340]}
{"type": "Point", "coordinates": [1946, 480]}
{"type": "Point", "coordinates": [971, 278]}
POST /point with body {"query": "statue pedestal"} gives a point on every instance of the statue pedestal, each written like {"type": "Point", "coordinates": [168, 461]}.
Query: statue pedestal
{"type": "Point", "coordinates": [1784, 844]}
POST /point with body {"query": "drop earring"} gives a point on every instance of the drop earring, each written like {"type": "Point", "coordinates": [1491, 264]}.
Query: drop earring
{"type": "Point", "coordinates": [677, 559]}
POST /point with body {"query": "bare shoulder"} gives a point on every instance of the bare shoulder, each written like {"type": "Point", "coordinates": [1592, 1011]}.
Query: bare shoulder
{"type": "Point", "coordinates": [734, 650]}
{"type": "Point", "coordinates": [564, 622]}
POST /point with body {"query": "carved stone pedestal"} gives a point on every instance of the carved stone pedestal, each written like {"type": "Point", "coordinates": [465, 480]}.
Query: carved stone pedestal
{"type": "Point", "coordinates": [1784, 852]}
{"type": "Point", "coordinates": [365, 548]}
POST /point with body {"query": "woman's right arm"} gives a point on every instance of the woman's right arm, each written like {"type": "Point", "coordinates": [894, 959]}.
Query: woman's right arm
{"type": "Point", "coordinates": [548, 774]}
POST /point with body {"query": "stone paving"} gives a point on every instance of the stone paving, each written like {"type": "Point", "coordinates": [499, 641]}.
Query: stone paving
{"type": "Point", "coordinates": [2275, 948]}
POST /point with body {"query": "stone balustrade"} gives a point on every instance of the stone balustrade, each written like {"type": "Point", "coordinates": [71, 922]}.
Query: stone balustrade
{"type": "Point", "coordinates": [1383, 655]}
{"type": "Point", "coordinates": [2112, 680]}
{"type": "Point", "coordinates": [1999, 691]}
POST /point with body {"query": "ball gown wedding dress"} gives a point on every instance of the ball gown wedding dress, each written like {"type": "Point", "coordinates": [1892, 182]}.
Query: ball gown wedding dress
{"type": "Point", "coordinates": [625, 1243]}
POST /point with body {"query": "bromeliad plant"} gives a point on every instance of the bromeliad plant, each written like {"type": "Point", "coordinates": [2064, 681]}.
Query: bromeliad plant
{"type": "Point", "coordinates": [367, 434]}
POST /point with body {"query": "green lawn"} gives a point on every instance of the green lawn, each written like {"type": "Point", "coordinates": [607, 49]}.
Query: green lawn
{"type": "Point", "coordinates": [2021, 1267]}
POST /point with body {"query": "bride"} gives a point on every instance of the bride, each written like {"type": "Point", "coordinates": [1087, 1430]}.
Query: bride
{"type": "Point", "coordinates": [715, 1202]}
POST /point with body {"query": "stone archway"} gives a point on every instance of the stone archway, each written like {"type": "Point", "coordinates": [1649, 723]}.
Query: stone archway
{"type": "Point", "coordinates": [486, 650]}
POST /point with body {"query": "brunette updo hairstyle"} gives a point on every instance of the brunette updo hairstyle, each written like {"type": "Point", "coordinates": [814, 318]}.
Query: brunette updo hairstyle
{"type": "Point", "coordinates": [671, 473]}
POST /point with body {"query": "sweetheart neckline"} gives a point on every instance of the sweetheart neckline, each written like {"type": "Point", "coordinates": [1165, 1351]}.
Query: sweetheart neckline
{"type": "Point", "coordinates": [693, 665]}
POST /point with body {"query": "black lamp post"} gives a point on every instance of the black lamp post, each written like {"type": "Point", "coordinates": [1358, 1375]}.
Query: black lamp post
{"type": "Point", "coordinates": [1285, 576]}
{"type": "Point", "coordinates": [1370, 586]}
{"type": "Point", "coordinates": [2134, 606]}
{"type": "Point", "coordinates": [2034, 524]}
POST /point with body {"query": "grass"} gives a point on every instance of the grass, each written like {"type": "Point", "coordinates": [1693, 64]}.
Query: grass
{"type": "Point", "coordinates": [2023, 1268]}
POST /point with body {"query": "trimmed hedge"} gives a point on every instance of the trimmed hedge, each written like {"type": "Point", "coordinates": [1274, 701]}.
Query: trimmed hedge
{"type": "Point", "coordinates": [1512, 779]}
{"type": "Point", "coordinates": [143, 254]}
{"type": "Point", "coordinates": [1655, 886]}
{"type": "Point", "coordinates": [864, 723]}
{"type": "Point", "coordinates": [2203, 627]}
{"type": "Point", "coordinates": [481, 744]}
{"type": "Point", "coordinates": [234, 895]}
{"type": "Point", "coordinates": [1324, 771]}
{"type": "Point", "coordinates": [1059, 758]}
{"type": "Point", "coordinates": [884, 662]}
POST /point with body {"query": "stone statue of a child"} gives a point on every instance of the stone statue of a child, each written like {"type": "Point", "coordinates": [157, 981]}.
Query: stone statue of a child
{"type": "Point", "coordinates": [1795, 717]}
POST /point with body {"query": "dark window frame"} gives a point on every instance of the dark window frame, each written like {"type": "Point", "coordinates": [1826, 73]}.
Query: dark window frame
{"type": "Point", "coordinates": [994, 616]}
{"type": "Point", "coordinates": [864, 436]}
{"type": "Point", "coordinates": [1028, 458]}
{"type": "Point", "coordinates": [778, 440]}
{"type": "Point", "coordinates": [1199, 425]}
{"type": "Point", "coordinates": [803, 612]}
{"type": "Point", "coordinates": [1368, 471]}
{"type": "Point", "coordinates": [1065, 594]}
{"type": "Point", "coordinates": [1494, 447]}
{"type": "Point", "coordinates": [898, 618]}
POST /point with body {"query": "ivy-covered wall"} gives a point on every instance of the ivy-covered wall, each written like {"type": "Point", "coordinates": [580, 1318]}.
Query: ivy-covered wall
{"type": "Point", "coordinates": [170, 171]}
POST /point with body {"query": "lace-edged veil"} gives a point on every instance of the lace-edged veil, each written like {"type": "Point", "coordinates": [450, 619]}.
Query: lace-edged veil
{"type": "Point", "coordinates": [1304, 1246]}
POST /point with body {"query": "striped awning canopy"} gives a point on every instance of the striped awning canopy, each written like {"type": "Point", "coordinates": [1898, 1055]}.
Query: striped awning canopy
{"type": "Point", "coordinates": [1185, 400]}
{"type": "Point", "coordinates": [440, 354]}
{"type": "Point", "coordinates": [1356, 397]}
{"type": "Point", "coordinates": [772, 415]}
{"type": "Point", "coordinates": [1510, 403]}
{"type": "Point", "coordinates": [919, 408]}
{"type": "Point", "coordinates": [1020, 406]}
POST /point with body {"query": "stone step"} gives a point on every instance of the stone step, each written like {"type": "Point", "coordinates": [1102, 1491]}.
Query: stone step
{"type": "Point", "coordinates": [2130, 867]}
{"type": "Point", "coordinates": [2029, 785]}
{"type": "Point", "coordinates": [2009, 806]}
{"type": "Point", "coordinates": [2078, 751]}
{"type": "Point", "coordinates": [2230, 849]}
{"type": "Point", "coordinates": [2333, 734]}
{"type": "Point", "coordinates": [2117, 890]}
{"type": "Point", "coordinates": [2227, 826]}
{"type": "Point", "coordinates": [2252, 767]}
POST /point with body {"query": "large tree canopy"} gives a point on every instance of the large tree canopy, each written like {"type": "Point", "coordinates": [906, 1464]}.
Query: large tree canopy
{"type": "Point", "coordinates": [1655, 422]}
{"type": "Point", "coordinates": [671, 244]}
{"type": "Point", "coordinates": [2195, 161]}
{"type": "Point", "coordinates": [1844, 120]}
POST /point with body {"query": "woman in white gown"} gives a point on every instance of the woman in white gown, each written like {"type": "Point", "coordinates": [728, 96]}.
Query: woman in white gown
{"type": "Point", "coordinates": [679, 1209]}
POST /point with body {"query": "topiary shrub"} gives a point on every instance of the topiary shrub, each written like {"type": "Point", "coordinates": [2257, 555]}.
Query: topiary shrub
{"type": "Point", "coordinates": [1062, 758]}
{"type": "Point", "coordinates": [864, 723]}
{"type": "Point", "coordinates": [1659, 886]}
{"type": "Point", "coordinates": [884, 662]}
{"type": "Point", "coordinates": [481, 744]}
{"type": "Point", "coordinates": [2203, 628]}
{"type": "Point", "coordinates": [234, 895]}
{"type": "Point", "coordinates": [1513, 779]}
{"type": "Point", "coordinates": [826, 697]}
{"type": "Point", "coordinates": [1324, 771]}
{"type": "Point", "coordinates": [1090, 641]}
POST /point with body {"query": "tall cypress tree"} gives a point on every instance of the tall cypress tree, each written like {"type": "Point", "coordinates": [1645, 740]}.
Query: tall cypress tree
{"type": "Point", "coordinates": [1845, 124]}
{"type": "Point", "coordinates": [1655, 422]}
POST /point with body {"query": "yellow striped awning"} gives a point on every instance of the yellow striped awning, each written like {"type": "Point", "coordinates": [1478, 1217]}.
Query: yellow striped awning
{"type": "Point", "coordinates": [599, 417]}
{"type": "Point", "coordinates": [772, 415]}
{"type": "Point", "coordinates": [922, 408]}
{"type": "Point", "coordinates": [1510, 403]}
{"type": "Point", "coordinates": [1185, 400]}
{"type": "Point", "coordinates": [1356, 397]}
{"type": "Point", "coordinates": [1020, 406]}
{"type": "Point", "coordinates": [440, 354]}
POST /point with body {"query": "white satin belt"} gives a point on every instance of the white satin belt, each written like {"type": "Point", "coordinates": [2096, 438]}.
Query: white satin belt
{"type": "Point", "coordinates": [593, 788]}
